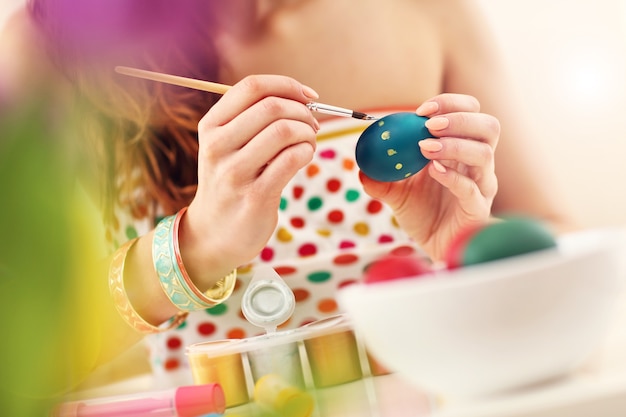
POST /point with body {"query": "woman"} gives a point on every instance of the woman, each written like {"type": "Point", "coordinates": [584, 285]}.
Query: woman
{"type": "Point", "coordinates": [266, 181]}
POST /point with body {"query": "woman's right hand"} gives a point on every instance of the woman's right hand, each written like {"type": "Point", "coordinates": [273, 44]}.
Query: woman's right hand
{"type": "Point", "coordinates": [251, 143]}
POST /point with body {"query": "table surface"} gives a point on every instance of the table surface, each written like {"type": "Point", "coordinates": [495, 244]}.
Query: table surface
{"type": "Point", "coordinates": [597, 389]}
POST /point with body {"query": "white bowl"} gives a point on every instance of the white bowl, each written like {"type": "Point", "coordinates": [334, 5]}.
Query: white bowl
{"type": "Point", "coordinates": [497, 326]}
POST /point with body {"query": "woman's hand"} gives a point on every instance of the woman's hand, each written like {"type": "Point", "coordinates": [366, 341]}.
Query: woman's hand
{"type": "Point", "coordinates": [458, 186]}
{"type": "Point", "coordinates": [252, 142]}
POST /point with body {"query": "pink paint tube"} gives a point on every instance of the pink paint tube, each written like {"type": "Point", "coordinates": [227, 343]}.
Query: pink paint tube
{"type": "Point", "coordinates": [185, 401]}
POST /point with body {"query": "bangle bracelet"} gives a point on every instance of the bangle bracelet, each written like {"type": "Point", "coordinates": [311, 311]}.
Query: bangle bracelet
{"type": "Point", "coordinates": [173, 276]}
{"type": "Point", "coordinates": [215, 295]}
{"type": "Point", "coordinates": [121, 301]}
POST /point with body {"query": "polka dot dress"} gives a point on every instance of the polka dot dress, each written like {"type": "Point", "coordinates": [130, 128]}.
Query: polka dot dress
{"type": "Point", "coordinates": [328, 231]}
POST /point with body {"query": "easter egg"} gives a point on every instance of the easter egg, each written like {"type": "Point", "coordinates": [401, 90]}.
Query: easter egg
{"type": "Point", "coordinates": [498, 240]}
{"type": "Point", "coordinates": [388, 151]}
{"type": "Point", "coordinates": [393, 267]}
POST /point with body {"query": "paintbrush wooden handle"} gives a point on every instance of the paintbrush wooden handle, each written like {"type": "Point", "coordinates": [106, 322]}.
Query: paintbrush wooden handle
{"type": "Point", "coordinates": [174, 80]}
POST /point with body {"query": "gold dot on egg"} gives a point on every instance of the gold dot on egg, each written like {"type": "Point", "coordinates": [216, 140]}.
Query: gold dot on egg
{"type": "Point", "coordinates": [385, 135]}
{"type": "Point", "coordinates": [398, 166]}
{"type": "Point", "coordinates": [407, 175]}
{"type": "Point", "coordinates": [381, 123]}
{"type": "Point", "coordinates": [391, 152]}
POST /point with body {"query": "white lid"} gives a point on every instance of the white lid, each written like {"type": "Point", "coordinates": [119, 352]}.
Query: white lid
{"type": "Point", "coordinates": [268, 300]}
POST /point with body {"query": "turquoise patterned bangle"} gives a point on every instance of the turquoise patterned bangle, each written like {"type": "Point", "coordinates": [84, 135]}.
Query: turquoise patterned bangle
{"type": "Point", "coordinates": [174, 278]}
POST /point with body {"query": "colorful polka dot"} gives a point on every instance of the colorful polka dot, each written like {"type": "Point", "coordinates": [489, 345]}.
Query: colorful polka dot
{"type": "Point", "coordinates": [335, 216]}
{"type": "Point", "coordinates": [297, 192]}
{"type": "Point", "coordinates": [345, 259]}
{"type": "Point", "coordinates": [348, 164]}
{"type": "Point", "coordinates": [327, 305]}
{"type": "Point", "coordinates": [131, 232]}
{"type": "Point", "coordinates": [283, 235]}
{"type": "Point", "coordinates": [361, 228]}
{"type": "Point", "coordinates": [206, 328]}
{"type": "Point", "coordinates": [297, 222]}
{"type": "Point", "coordinates": [374, 207]}
{"type": "Point", "coordinates": [315, 203]}
{"type": "Point", "coordinates": [283, 204]}
{"type": "Point", "coordinates": [328, 154]}
{"type": "Point", "coordinates": [301, 294]}
{"type": "Point", "coordinates": [385, 239]}
{"type": "Point", "coordinates": [284, 271]}
{"type": "Point", "coordinates": [333, 185]}
{"type": "Point", "coordinates": [312, 170]}
{"type": "Point", "coordinates": [352, 195]}
{"type": "Point", "coordinates": [347, 244]}
{"type": "Point", "coordinates": [174, 343]}
{"type": "Point", "coordinates": [236, 333]}
{"type": "Point", "coordinates": [307, 249]}
{"type": "Point", "coordinates": [319, 276]}
{"type": "Point", "coordinates": [267, 254]}
{"type": "Point", "coordinates": [324, 232]}
{"type": "Point", "coordinates": [217, 310]}
{"type": "Point", "coordinates": [171, 364]}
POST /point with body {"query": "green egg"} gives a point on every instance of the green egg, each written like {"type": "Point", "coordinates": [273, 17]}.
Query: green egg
{"type": "Point", "coordinates": [511, 237]}
{"type": "Point", "coordinates": [388, 151]}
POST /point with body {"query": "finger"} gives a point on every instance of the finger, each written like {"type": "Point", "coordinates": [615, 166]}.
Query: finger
{"type": "Point", "coordinates": [448, 103]}
{"type": "Point", "coordinates": [262, 115]}
{"type": "Point", "coordinates": [467, 191]}
{"type": "Point", "coordinates": [468, 152]}
{"type": "Point", "coordinates": [284, 166]}
{"type": "Point", "coordinates": [477, 126]}
{"type": "Point", "coordinates": [252, 89]}
{"type": "Point", "coordinates": [268, 145]}
{"type": "Point", "coordinates": [478, 157]}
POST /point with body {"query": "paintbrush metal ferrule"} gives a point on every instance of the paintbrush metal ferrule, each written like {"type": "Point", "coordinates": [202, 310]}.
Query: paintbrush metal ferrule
{"type": "Point", "coordinates": [338, 111]}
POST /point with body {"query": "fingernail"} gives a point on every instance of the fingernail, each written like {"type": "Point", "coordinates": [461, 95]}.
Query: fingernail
{"type": "Point", "coordinates": [430, 145]}
{"type": "Point", "coordinates": [309, 92]}
{"type": "Point", "coordinates": [427, 108]}
{"type": "Point", "coordinates": [437, 123]}
{"type": "Point", "coordinates": [316, 123]}
{"type": "Point", "coordinates": [439, 167]}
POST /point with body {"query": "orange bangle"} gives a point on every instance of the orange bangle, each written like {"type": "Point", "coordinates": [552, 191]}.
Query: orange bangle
{"type": "Point", "coordinates": [220, 291]}
{"type": "Point", "coordinates": [122, 303]}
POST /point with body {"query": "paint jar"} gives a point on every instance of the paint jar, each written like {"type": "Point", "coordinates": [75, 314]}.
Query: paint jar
{"type": "Point", "coordinates": [220, 362]}
{"type": "Point", "coordinates": [272, 392]}
{"type": "Point", "coordinates": [332, 352]}
{"type": "Point", "coordinates": [277, 354]}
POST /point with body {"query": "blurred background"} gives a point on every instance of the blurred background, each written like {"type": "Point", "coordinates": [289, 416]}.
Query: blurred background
{"type": "Point", "coordinates": [569, 59]}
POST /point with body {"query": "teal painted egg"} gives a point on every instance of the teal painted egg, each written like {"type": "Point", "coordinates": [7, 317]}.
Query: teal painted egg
{"type": "Point", "coordinates": [388, 151]}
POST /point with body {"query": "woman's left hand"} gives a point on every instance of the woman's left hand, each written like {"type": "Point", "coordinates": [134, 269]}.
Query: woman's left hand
{"type": "Point", "coordinates": [456, 189]}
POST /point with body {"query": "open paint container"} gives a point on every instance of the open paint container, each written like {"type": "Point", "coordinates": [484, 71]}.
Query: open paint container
{"type": "Point", "coordinates": [321, 354]}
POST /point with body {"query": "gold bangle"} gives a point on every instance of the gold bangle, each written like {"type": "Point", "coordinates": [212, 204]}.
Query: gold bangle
{"type": "Point", "coordinates": [122, 303]}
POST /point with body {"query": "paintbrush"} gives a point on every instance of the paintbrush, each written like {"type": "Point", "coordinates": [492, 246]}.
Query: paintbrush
{"type": "Point", "coordinates": [223, 88]}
